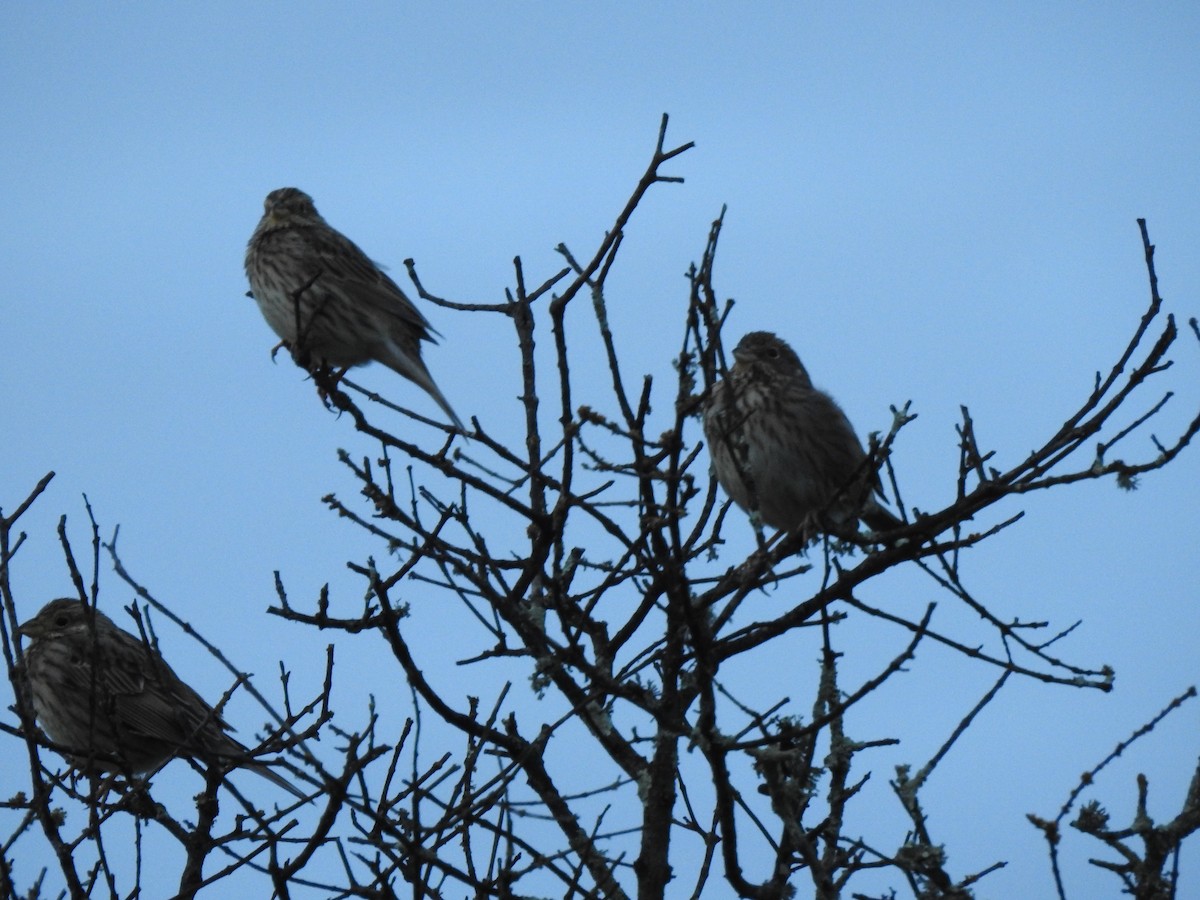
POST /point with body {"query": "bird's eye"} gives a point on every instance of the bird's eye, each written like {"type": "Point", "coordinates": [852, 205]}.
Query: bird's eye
{"type": "Point", "coordinates": [60, 621]}
{"type": "Point", "coordinates": [773, 352]}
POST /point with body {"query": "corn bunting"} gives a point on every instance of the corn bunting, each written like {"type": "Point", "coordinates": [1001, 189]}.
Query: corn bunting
{"type": "Point", "coordinates": [105, 697]}
{"type": "Point", "coordinates": [784, 449]}
{"type": "Point", "coordinates": [327, 301]}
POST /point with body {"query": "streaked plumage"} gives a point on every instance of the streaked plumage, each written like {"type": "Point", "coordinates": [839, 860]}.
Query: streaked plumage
{"type": "Point", "coordinates": [104, 693]}
{"type": "Point", "coordinates": [350, 312]}
{"type": "Point", "coordinates": [784, 448]}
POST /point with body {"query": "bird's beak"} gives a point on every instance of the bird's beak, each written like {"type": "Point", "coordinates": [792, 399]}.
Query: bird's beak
{"type": "Point", "coordinates": [739, 355]}
{"type": "Point", "coordinates": [28, 630]}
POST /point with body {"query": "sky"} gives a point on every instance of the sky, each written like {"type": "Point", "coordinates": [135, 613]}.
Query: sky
{"type": "Point", "coordinates": [933, 203]}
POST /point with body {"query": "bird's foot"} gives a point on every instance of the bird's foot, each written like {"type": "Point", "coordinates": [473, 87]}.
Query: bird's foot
{"type": "Point", "coordinates": [327, 381]}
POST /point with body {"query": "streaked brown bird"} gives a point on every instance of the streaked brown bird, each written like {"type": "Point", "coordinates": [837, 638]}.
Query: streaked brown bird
{"type": "Point", "coordinates": [784, 449]}
{"type": "Point", "coordinates": [104, 695]}
{"type": "Point", "coordinates": [328, 302]}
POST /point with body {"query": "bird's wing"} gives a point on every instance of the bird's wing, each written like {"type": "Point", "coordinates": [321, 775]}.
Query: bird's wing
{"type": "Point", "coordinates": [150, 699]}
{"type": "Point", "coordinates": [350, 272]}
{"type": "Point", "coordinates": [843, 436]}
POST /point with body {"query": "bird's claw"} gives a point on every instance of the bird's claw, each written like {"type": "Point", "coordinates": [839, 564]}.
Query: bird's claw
{"type": "Point", "coordinates": [327, 381]}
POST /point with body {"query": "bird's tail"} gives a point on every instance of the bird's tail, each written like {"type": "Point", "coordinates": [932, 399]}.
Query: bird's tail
{"type": "Point", "coordinates": [878, 518]}
{"type": "Point", "coordinates": [231, 754]}
{"type": "Point", "coordinates": [413, 368]}
{"type": "Point", "coordinates": [275, 778]}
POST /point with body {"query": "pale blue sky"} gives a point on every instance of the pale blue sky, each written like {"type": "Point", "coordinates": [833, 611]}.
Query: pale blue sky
{"type": "Point", "coordinates": [931, 202]}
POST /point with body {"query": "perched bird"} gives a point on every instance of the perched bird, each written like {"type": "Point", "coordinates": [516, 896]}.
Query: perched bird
{"type": "Point", "coordinates": [784, 449]}
{"type": "Point", "coordinates": [100, 692]}
{"type": "Point", "coordinates": [327, 301]}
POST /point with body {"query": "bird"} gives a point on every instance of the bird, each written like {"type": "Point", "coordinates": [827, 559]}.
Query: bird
{"type": "Point", "coordinates": [105, 697]}
{"type": "Point", "coordinates": [327, 301]}
{"type": "Point", "coordinates": [785, 450]}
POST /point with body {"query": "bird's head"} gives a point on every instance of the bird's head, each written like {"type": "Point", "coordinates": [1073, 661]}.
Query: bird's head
{"type": "Point", "coordinates": [60, 617]}
{"type": "Point", "coordinates": [763, 351]}
{"type": "Point", "coordinates": [289, 206]}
